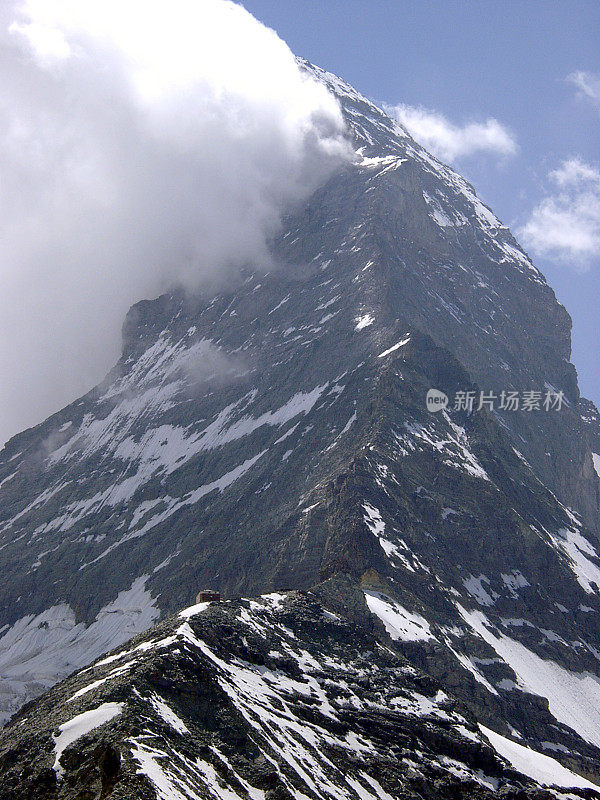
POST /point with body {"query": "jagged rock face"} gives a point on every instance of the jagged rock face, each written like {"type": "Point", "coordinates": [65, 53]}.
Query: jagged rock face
{"type": "Point", "coordinates": [275, 436]}
{"type": "Point", "coordinates": [271, 698]}
{"type": "Point", "coordinates": [451, 268]}
{"type": "Point", "coordinates": [591, 417]}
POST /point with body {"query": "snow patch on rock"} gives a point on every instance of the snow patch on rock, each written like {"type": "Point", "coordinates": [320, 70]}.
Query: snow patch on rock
{"type": "Point", "coordinates": [573, 697]}
{"type": "Point", "coordinates": [80, 725]}
{"type": "Point", "coordinates": [541, 768]}
{"type": "Point", "coordinates": [398, 621]}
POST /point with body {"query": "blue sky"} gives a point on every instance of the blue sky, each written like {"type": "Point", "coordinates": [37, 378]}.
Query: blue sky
{"type": "Point", "coordinates": [533, 66]}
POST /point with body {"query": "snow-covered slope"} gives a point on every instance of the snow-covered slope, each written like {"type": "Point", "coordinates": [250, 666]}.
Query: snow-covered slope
{"type": "Point", "coordinates": [38, 650]}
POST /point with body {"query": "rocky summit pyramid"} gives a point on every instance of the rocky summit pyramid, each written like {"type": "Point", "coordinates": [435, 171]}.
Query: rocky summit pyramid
{"type": "Point", "coordinates": [429, 624]}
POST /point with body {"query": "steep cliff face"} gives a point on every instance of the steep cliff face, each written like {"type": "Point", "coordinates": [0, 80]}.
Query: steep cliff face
{"type": "Point", "coordinates": [452, 269]}
{"type": "Point", "coordinates": [276, 436]}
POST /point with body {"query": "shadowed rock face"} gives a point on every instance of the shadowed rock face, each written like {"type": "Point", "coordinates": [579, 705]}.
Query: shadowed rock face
{"type": "Point", "coordinates": [276, 436]}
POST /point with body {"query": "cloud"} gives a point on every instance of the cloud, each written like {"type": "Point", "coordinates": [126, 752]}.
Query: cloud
{"type": "Point", "coordinates": [141, 145]}
{"type": "Point", "coordinates": [588, 86]}
{"type": "Point", "coordinates": [575, 172]}
{"type": "Point", "coordinates": [452, 142]}
{"type": "Point", "coordinates": [565, 225]}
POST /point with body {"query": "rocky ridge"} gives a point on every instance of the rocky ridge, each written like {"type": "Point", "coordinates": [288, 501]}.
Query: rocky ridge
{"type": "Point", "coordinates": [277, 697]}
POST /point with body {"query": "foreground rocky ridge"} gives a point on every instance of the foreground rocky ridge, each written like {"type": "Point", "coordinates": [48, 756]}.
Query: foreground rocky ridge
{"type": "Point", "coordinates": [278, 697]}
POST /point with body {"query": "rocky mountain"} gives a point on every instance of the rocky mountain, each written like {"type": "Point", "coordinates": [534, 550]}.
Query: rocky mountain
{"type": "Point", "coordinates": [276, 438]}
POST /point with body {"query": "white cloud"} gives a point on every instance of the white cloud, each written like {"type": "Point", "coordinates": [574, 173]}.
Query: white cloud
{"type": "Point", "coordinates": [451, 142]}
{"type": "Point", "coordinates": [141, 144]}
{"type": "Point", "coordinates": [574, 172]}
{"type": "Point", "coordinates": [588, 86]}
{"type": "Point", "coordinates": [565, 225]}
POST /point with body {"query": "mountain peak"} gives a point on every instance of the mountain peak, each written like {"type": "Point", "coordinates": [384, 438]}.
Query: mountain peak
{"type": "Point", "coordinates": [275, 436]}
